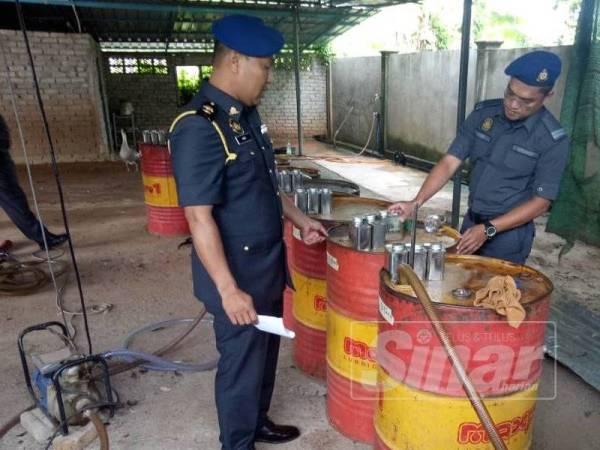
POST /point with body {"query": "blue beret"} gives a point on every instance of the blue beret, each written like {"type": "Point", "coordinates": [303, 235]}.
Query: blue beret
{"type": "Point", "coordinates": [248, 35]}
{"type": "Point", "coordinates": [538, 68]}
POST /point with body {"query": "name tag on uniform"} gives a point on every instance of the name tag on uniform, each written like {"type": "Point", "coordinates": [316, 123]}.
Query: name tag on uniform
{"type": "Point", "coordinates": [243, 138]}
{"type": "Point", "coordinates": [263, 129]}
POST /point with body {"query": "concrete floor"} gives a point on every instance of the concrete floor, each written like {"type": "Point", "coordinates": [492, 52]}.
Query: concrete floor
{"type": "Point", "coordinates": [146, 279]}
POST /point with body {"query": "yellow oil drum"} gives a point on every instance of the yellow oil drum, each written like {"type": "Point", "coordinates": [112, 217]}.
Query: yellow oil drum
{"type": "Point", "coordinates": [352, 325]}
{"type": "Point", "coordinates": [421, 403]}
{"type": "Point", "coordinates": [309, 277]}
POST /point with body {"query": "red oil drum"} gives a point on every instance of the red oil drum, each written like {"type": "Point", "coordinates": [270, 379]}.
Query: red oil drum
{"type": "Point", "coordinates": [165, 217]}
{"type": "Point", "coordinates": [352, 321]}
{"type": "Point", "coordinates": [416, 381]}
{"type": "Point", "coordinates": [309, 275]}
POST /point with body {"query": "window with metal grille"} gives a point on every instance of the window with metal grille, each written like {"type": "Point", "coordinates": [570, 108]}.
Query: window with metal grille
{"type": "Point", "coordinates": [128, 65]}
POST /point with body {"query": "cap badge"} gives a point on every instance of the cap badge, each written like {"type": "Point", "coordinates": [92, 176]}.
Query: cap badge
{"type": "Point", "coordinates": [542, 76]}
{"type": "Point", "coordinates": [233, 111]}
{"type": "Point", "coordinates": [487, 124]}
{"type": "Point", "coordinates": [236, 127]}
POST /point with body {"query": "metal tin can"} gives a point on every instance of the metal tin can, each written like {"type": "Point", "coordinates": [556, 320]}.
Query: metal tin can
{"type": "Point", "coordinates": [146, 137]}
{"type": "Point", "coordinates": [398, 256]}
{"type": "Point", "coordinates": [286, 181]}
{"type": "Point", "coordinates": [313, 201]}
{"type": "Point", "coordinates": [436, 259]}
{"type": "Point", "coordinates": [301, 199]}
{"type": "Point", "coordinates": [394, 223]}
{"type": "Point", "coordinates": [420, 264]}
{"type": "Point", "coordinates": [325, 201]}
{"type": "Point", "coordinates": [297, 180]}
{"type": "Point", "coordinates": [154, 137]}
{"type": "Point", "coordinates": [162, 137]}
{"type": "Point", "coordinates": [361, 234]}
{"type": "Point", "coordinates": [379, 230]}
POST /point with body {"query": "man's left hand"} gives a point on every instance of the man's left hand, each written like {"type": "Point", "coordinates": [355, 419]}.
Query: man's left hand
{"type": "Point", "coordinates": [471, 240]}
{"type": "Point", "coordinates": [312, 231]}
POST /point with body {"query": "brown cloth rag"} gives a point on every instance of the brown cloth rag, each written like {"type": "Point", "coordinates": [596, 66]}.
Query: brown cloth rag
{"type": "Point", "coordinates": [501, 294]}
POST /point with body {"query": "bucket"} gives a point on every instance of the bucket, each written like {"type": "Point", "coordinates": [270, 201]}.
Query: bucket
{"type": "Point", "coordinates": [309, 275]}
{"type": "Point", "coordinates": [352, 321]}
{"type": "Point", "coordinates": [165, 217]}
{"type": "Point", "coordinates": [416, 381]}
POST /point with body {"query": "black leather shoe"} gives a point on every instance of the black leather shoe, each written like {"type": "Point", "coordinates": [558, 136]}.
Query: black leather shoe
{"type": "Point", "coordinates": [54, 240]}
{"type": "Point", "coordinates": [276, 434]}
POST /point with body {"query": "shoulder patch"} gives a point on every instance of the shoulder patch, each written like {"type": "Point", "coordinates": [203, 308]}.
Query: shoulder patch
{"type": "Point", "coordinates": [554, 128]}
{"type": "Point", "coordinates": [208, 110]}
{"type": "Point", "coordinates": [487, 104]}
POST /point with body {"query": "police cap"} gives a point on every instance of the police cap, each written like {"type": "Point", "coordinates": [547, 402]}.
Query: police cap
{"type": "Point", "coordinates": [248, 35]}
{"type": "Point", "coordinates": [538, 68]}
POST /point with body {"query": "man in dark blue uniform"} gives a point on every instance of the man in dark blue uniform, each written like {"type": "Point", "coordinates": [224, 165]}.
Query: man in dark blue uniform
{"type": "Point", "coordinates": [518, 152]}
{"type": "Point", "coordinates": [14, 202]}
{"type": "Point", "coordinates": [226, 179]}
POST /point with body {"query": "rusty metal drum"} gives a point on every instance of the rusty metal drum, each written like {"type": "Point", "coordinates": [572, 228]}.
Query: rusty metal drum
{"type": "Point", "coordinates": [309, 275]}
{"type": "Point", "coordinates": [415, 379]}
{"type": "Point", "coordinates": [352, 325]}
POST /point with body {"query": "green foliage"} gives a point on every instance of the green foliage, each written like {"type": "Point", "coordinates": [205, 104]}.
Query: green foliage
{"type": "Point", "coordinates": [491, 25]}
{"type": "Point", "coordinates": [431, 34]}
{"type": "Point", "coordinates": [285, 60]}
{"type": "Point", "coordinates": [187, 86]}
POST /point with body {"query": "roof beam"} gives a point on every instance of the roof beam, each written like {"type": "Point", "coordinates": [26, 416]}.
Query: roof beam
{"type": "Point", "coordinates": [261, 10]}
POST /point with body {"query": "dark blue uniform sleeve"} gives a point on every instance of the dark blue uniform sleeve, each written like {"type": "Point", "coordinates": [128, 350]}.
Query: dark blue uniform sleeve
{"type": "Point", "coordinates": [198, 159]}
{"type": "Point", "coordinates": [550, 168]}
{"type": "Point", "coordinates": [463, 142]}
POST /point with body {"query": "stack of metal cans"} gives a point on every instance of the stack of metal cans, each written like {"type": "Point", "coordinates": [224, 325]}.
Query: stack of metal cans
{"type": "Point", "coordinates": [370, 232]}
{"type": "Point", "coordinates": [428, 261]}
{"type": "Point", "coordinates": [155, 137]}
{"type": "Point", "coordinates": [290, 180]}
{"type": "Point", "coordinates": [313, 200]}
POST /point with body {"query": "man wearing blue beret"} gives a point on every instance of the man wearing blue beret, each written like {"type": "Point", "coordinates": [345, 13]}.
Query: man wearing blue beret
{"type": "Point", "coordinates": [518, 152]}
{"type": "Point", "coordinates": [226, 179]}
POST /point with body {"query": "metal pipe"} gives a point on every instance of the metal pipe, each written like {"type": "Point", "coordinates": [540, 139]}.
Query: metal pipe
{"type": "Point", "coordinates": [184, 7]}
{"type": "Point", "coordinates": [297, 75]}
{"type": "Point", "coordinates": [462, 101]}
{"type": "Point", "coordinates": [413, 237]}
{"type": "Point", "coordinates": [406, 274]}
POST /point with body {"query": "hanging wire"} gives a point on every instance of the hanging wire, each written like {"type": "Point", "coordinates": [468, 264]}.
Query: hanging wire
{"type": "Point", "coordinates": [76, 15]}
{"type": "Point", "coordinates": [56, 176]}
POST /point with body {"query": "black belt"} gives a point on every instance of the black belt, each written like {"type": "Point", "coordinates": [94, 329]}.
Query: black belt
{"type": "Point", "coordinates": [479, 218]}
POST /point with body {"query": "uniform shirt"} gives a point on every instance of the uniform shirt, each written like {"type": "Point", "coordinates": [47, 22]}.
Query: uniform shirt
{"type": "Point", "coordinates": [511, 161]}
{"type": "Point", "coordinates": [244, 193]}
{"type": "Point", "coordinates": [4, 136]}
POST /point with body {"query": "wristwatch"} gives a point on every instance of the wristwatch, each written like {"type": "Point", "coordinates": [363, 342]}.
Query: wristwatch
{"type": "Point", "coordinates": [489, 229]}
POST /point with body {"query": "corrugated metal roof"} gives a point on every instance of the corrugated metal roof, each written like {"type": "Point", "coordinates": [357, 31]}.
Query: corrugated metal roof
{"type": "Point", "coordinates": [119, 22]}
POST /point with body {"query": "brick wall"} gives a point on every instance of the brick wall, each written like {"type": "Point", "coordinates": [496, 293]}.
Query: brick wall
{"type": "Point", "coordinates": [154, 97]}
{"type": "Point", "coordinates": [278, 108]}
{"type": "Point", "coordinates": [67, 72]}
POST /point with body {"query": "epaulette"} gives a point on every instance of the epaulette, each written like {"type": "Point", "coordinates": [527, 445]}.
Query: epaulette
{"type": "Point", "coordinates": [554, 128]}
{"type": "Point", "coordinates": [487, 104]}
{"type": "Point", "coordinates": [208, 110]}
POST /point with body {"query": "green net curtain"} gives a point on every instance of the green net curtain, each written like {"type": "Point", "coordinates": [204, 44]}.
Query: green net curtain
{"type": "Point", "coordinates": [575, 214]}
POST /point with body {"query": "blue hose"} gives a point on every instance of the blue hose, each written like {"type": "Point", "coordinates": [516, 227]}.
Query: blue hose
{"type": "Point", "coordinates": [156, 362]}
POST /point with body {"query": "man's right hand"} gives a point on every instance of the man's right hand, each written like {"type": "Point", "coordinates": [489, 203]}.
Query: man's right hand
{"type": "Point", "coordinates": [405, 209]}
{"type": "Point", "coordinates": [239, 307]}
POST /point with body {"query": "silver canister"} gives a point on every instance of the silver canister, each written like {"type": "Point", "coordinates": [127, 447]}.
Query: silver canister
{"type": "Point", "coordinates": [398, 256]}
{"type": "Point", "coordinates": [162, 137]}
{"type": "Point", "coordinates": [420, 265]}
{"type": "Point", "coordinates": [286, 181]}
{"type": "Point", "coordinates": [326, 201]}
{"type": "Point", "coordinates": [436, 261]}
{"type": "Point", "coordinates": [313, 201]}
{"type": "Point", "coordinates": [154, 137]}
{"type": "Point", "coordinates": [146, 137]}
{"type": "Point", "coordinates": [297, 179]}
{"type": "Point", "coordinates": [394, 223]}
{"type": "Point", "coordinates": [360, 234]}
{"type": "Point", "coordinates": [378, 233]}
{"type": "Point", "coordinates": [301, 199]}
